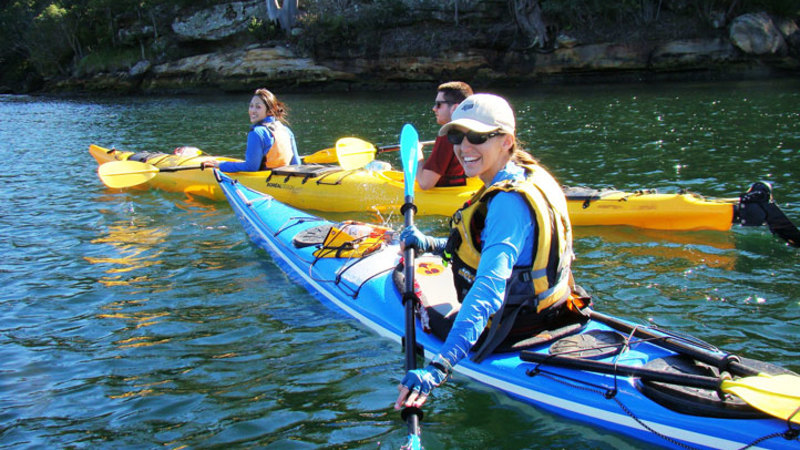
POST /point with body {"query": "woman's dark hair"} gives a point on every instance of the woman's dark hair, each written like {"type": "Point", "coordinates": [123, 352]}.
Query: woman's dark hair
{"type": "Point", "coordinates": [274, 106]}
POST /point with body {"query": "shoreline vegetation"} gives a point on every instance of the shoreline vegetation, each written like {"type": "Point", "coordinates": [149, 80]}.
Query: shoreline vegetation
{"type": "Point", "coordinates": [182, 46]}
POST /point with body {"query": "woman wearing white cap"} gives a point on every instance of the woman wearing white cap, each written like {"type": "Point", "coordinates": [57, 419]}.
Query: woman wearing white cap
{"type": "Point", "coordinates": [510, 246]}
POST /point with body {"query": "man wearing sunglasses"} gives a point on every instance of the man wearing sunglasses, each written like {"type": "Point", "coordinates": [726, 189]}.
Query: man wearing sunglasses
{"type": "Point", "coordinates": [442, 168]}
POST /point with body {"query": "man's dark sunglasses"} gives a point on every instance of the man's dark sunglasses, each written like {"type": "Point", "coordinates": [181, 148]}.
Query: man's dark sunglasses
{"type": "Point", "coordinates": [438, 103]}
{"type": "Point", "coordinates": [457, 136]}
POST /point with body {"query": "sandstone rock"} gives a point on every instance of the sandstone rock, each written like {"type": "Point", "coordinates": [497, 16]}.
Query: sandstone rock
{"type": "Point", "coordinates": [692, 53]}
{"type": "Point", "coordinates": [791, 33]}
{"type": "Point", "coordinates": [756, 34]}
{"type": "Point", "coordinates": [420, 68]}
{"type": "Point", "coordinates": [412, 58]}
{"type": "Point", "coordinates": [564, 40]}
{"type": "Point", "coordinates": [241, 68]}
{"type": "Point", "coordinates": [139, 68]}
{"type": "Point", "coordinates": [599, 57]}
{"type": "Point", "coordinates": [218, 22]}
{"type": "Point", "coordinates": [788, 27]}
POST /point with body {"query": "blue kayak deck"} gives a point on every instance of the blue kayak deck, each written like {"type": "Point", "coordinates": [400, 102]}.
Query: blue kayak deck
{"type": "Point", "coordinates": [363, 288]}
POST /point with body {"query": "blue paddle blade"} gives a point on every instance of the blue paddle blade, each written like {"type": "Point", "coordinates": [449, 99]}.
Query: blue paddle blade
{"type": "Point", "coordinates": [413, 443]}
{"type": "Point", "coordinates": [409, 143]}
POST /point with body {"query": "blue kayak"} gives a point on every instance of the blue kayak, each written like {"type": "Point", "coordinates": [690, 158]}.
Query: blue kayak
{"type": "Point", "coordinates": [643, 382]}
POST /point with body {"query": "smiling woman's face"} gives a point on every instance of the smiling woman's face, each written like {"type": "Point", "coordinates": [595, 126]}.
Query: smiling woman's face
{"type": "Point", "coordinates": [484, 160]}
{"type": "Point", "coordinates": [257, 110]}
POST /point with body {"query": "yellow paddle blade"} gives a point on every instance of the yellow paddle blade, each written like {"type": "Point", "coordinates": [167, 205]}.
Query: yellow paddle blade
{"type": "Point", "coordinates": [354, 153]}
{"type": "Point", "coordinates": [324, 156]}
{"type": "Point", "coordinates": [778, 395]}
{"type": "Point", "coordinates": [122, 174]}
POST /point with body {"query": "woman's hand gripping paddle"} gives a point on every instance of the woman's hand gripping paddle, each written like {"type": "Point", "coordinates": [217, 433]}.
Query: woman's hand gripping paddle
{"type": "Point", "coordinates": [123, 174]}
{"type": "Point", "coordinates": [409, 143]}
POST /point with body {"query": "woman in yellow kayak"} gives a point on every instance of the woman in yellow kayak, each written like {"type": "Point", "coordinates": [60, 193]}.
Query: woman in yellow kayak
{"type": "Point", "coordinates": [510, 246]}
{"type": "Point", "coordinates": [270, 142]}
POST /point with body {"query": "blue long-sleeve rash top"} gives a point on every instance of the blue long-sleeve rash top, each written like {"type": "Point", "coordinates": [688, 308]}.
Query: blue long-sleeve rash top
{"type": "Point", "coordinates": [259, 141]}
{"type": "Point", "coordinates": [507, 242]}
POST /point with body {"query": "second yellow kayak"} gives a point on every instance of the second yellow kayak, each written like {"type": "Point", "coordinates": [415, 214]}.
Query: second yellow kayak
{"type": "Point", "coordinates": [329, 188]}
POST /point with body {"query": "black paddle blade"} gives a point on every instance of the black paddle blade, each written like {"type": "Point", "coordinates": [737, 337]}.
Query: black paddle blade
{"type": "Point", "coordinates": [757, 207]}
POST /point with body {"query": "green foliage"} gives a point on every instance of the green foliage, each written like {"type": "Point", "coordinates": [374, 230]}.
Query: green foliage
{"type": "Point", "coordinates": [108, 60]}
{"type": "Point", "coordinates": [324, 33]}
{"type": "Point", "coordinates": [262, 30]}
{"type": "Point", "coordinates": [52, 14]}
{"type": "Point", "coordinates": [51, 38]}
{"type": "Point", "coordinates": [349, 28]}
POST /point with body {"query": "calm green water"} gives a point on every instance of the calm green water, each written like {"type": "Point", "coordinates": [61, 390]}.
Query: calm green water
{"type": "Point", "coordinates": [143, 319]}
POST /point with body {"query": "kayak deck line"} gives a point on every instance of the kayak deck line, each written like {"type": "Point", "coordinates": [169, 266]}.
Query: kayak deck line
{"type": "Point", "coordinates": [330, 188]}
{"type": "Point", "coordinates": [677, 437]}
{"type": "Point", "coordinates": [294, 221]}
{"type": "Point", "coordinates": [366, 292]}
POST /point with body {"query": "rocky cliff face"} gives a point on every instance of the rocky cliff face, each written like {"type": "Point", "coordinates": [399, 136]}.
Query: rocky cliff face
{"type": "Point", "coordinates": [415, 54]}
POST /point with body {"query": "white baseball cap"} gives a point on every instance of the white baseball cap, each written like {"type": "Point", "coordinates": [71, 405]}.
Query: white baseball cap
{"type": "Point", "coordinates": [483, 113]}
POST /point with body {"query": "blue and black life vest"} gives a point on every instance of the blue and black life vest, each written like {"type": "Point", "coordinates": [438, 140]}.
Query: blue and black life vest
{"type": "Point", "coordinates": [533, 290]}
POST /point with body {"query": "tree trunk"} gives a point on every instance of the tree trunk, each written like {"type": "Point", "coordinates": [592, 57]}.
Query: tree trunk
{"type": "Point", "coordinates": [528, 15]}
{"type": "Point", "coordinates": [285, 15]}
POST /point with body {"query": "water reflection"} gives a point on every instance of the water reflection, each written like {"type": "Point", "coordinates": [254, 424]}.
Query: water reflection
{"type": "Point", "coordinates": [684, 249]}
{"type": "Point", "coordinates": [139, 248]}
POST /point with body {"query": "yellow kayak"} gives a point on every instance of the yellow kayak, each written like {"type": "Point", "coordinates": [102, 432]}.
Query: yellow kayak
{"type": "Point", "coordinates": [648, 209]}
{"type": "Point", "coordinates": [330, 188]}
{"type": "Point", "coordinates": [319, 187]}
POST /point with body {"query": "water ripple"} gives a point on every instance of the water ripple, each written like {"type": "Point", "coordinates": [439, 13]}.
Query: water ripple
{"type": "Point", "coordinates": [133, 319]}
